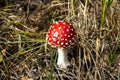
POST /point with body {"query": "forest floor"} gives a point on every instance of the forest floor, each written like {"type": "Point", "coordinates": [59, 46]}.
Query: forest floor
{"type": "Point", "coordinates": [23, 51]}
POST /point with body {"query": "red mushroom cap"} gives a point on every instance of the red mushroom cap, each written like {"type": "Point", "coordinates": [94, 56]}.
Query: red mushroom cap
{"type": "Point", "coordinates": [61, 34]}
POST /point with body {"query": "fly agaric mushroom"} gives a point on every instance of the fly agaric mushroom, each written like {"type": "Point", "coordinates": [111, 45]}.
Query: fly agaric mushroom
{"type": "Point", "coordinates": [62, 35]}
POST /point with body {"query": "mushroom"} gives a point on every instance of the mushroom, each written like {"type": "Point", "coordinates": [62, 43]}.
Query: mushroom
{"type": "Point", "coordinates": [62, 35]}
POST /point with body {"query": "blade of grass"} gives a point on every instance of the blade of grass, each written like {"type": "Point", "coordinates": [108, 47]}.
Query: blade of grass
{"type": "Point", "coordinates": [51, 66]}
{"type": "Point", "coordinates": [3, 61]}
{"type": "Point", "coordinates": [114, 54]}
{"type": "Point", "coordinates": [1, 56]}
{"type": "Point", "coordinates": [105, 7]}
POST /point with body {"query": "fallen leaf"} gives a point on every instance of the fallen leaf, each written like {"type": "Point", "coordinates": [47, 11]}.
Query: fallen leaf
{"type": "Point", "coordinates": [26, 78]}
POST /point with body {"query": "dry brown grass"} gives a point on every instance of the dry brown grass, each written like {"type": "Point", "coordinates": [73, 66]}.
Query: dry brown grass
{"type": "Point", "coordinates": [23, 26]}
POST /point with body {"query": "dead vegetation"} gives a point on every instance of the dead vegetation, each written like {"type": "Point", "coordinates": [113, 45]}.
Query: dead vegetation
{"type": "Point", "coordinates": [23, 27]}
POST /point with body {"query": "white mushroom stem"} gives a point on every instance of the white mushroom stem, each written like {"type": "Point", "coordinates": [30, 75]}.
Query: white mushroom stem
{"type": "Point", "coordinates": [62, 60]}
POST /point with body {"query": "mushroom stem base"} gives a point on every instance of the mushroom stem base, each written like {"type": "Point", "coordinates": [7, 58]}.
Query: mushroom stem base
{"type": "Point", "coordinates": [62, 61]}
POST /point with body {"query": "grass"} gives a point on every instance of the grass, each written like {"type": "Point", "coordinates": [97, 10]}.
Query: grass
{"type": "Point", "coordinates": [113, 55]}
{"type": "Point", "coordinates": [105, 7]}
{"type": "Point", "coordinates": [23, 51]}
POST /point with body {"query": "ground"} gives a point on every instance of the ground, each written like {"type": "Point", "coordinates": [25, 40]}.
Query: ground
{"type": "Point", "coordinates": [25, 54]}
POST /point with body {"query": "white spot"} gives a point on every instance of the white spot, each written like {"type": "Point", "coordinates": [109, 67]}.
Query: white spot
{"type": "Point", "coordinates": [62, 39]}
{"type": "Point", "coordinates": [56, 34]}
{"type": "Point", "coordinates": [66, 43]}
{"type": "Point", "coordinates": [62, 43]}
{"type": "Point", "coordinates": [53, 26]}
{"type": "Point", "coordinates": [64, 23]}
{"type": "Point", "coordinates": [54, 39]}
{"type": "Point", "coordinates": [72, 29]}
{"type": "Point", "coordinates": [58, 42]}
{"type": "Point", "coordinates": [67, 30]}
{"type": "Point", "coordinates": [73, 38]}
{"type": "Point", "coordinates": [65, 39]}
{"type": "Point", "coordinates": [60, 28]}
{"type": "Point", "coordinates": [71, 34]}
{"type": "Point", "coordinates": [54, 29]}
{"type": "Point", "coordinates": [65, 34]}
{"type": "Point", "coordinates": [64, 27]}
{"type": "Point", "coordinates": [57, 23]}
{"type": "Point", "coordinates": [68, 36]}
{"type": "Point", "coordinates": [49, 39]}
{"type": "Point", "coordinates": [70, 24]}
{"type": "Point", "coordinates": [70, 41]}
